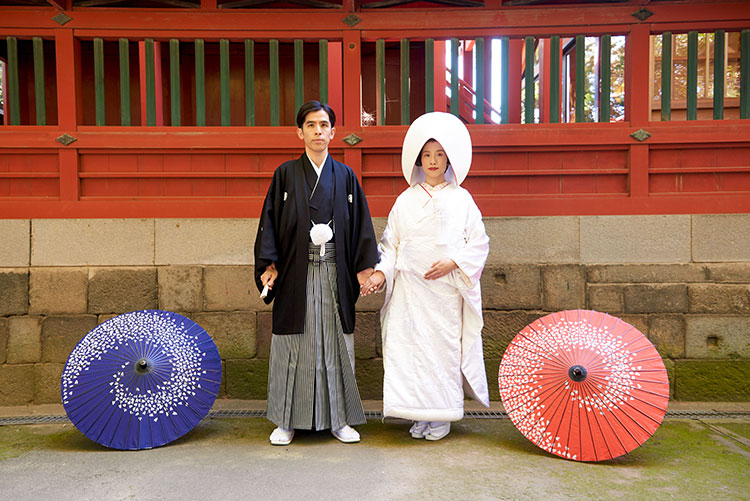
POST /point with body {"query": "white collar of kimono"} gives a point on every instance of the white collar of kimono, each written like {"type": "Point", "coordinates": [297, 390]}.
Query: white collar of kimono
{"type": "Point", "coordinates": [318, 169]}
{"type": "Point", "coordinates": [453, 136]}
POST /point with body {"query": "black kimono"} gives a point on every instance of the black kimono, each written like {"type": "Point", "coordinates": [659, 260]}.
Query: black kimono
{"type": "Point", "coordinates": [284, 236]}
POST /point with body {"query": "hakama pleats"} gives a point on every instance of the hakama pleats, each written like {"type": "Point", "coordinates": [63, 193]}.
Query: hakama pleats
{"type": "Point", "coordinates": [311, 382]}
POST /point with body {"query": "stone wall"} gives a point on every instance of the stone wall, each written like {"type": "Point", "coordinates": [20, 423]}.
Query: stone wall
{"type": "Point", "coordinates": [683, 280]}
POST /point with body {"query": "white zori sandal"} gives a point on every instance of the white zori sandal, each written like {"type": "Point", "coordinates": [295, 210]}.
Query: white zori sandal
{"type": "Point", "coordinates": [346, 434]}
{"type": "Point", "coordinates": [280, 436]}
{"type": "Point", "coordinates": [437, 430]}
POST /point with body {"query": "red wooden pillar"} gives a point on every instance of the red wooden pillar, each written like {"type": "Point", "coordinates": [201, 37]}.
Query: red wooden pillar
{"type": "Point", "coordinates": [441, 99]}
{"type": "Point", "coordinates": [69, 112]}
{"type": "Point", "coordinates": [4, 84]}
{"type": "Point", "coordinates": [544, 82]}
{"type": "Point", "coordinates": [637, 103]}
{"type": "Point", "coordinates": [514, 82]}
{"type": "Point", "coordinates": [352, 99]}
{"type": "Point", "coordinates": [335, 72]}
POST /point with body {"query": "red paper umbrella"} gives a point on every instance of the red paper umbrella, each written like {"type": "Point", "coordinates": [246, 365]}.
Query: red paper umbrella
{"type": "Point", "coordinates": [583, 385]}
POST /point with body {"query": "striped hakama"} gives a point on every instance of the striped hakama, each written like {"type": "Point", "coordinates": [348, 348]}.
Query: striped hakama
{"type": "Point", "coordinates": [311, 383]}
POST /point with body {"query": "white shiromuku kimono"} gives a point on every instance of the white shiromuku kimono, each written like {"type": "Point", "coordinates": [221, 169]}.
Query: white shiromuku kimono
{"type": "Point", "coordinates": [431, 329]}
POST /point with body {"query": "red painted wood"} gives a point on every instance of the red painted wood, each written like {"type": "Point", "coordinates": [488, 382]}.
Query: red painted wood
{"type": "Point", "coordinates": [69, 97]}
{"type": "Point", "coordinates": [514, 87]}
{"type": "Point", "coordinates": [637, 99]}
{"type": "Point", "coordinates": [335, 80]}
{"type": "Point", "coordinates": [441, 100]}
{"type": "Point", "coordinates": [638, 165]}
{"type": "Point", "coordinates": [352, 70]}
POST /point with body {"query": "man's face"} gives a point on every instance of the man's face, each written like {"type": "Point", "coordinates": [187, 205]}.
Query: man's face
{"type": "Point", "coordinates": [316, 131]}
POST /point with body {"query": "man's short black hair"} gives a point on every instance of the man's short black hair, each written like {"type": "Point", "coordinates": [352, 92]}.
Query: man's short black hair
{"type": "Point", "coordinates": [312, 106]}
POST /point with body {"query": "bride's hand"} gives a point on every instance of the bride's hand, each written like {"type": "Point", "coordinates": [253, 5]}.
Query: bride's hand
{"type": "Point", "coordinates": [372, 284]}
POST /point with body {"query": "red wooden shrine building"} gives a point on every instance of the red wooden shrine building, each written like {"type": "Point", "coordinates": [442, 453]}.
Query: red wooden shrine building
{"type": "Point", "coordinates": [183, 108]}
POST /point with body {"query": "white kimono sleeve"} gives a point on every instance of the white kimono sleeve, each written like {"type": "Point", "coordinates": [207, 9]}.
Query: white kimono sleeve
{"type": "Point", "coordinates": [471, 258]}
{"type": "Point", "coordinates": [387, 248]}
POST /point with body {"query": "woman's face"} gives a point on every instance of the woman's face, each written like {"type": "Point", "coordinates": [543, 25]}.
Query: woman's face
{"type": "Point", "coordinates": [434, 162]}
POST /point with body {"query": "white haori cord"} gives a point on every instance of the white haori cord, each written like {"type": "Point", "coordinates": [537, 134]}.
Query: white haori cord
{"type": "Point", "coordinates": [320, 234]}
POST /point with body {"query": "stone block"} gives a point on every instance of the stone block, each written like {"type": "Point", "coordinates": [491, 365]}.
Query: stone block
{"type": "Point", "coordinates": [533, 239]}
{"type": "Point", "coordinates": [100, 319]}
{"type": "Point", "coordinates": [47, 383]}
{"type": "Point", "coordinates": [16, 237]}
{"type": "Point", "coordinates": [712, 380]}
{"type": "Point", "coordinates": [492, 367]}
{"type": "Point", "coordinates": [379, 224]}
{"type": "Point", "coordinates": [14, 291]}
{"type": "Point", "coordinates": [635, 239]}
{"type": "Point", "coordinates": [231, 288]}
{"type": "Point", "coordinates": [263, 334]}
{"type": "Point", "coordinates": [563, 287]}
{"type": "Point", "coordinates": [247, 379]}
{"type": "Point", "coordinates": [640, 322]}
{"type": "Point", "coordinates": [721, 237]}
{"type": "Point", "coordinates": [366, 335]}
{"type": "Point", "coordinates": [24, 340]}
{"type": "Point", "coordinates": [719, 298]}
{"type": "Point", "coordinates": [369, 375]}
{"type": "Point", "coordinates": [16, 384]}
{"type": "Point", "coordinates": [656, 298]}
{"type": "Point", "coordinates": [3, 339]}
{"type": "Point", "coordinates": [371, 302]}
{"type": "Point", "coordinates": [669, 365]}
{"type": "Point", "coordinates": [180, 288]}
{"type": "Point", "coordinates": [58, 290]}
{"type": "Point", "coordinates": [512, 287]}
{"type": "Point", "coordinates": [647, 273]}
{"type": "Point", "coordinates": [120, 290]}
{"type": "Point", "coordinates": [205, 241]}
{"type": "Point", "coordinates": [714, 336]}
{"type": "Point", "coordinates": [92, 242]}
{"type": "Point", "coordinates": [233, 333]}
{"type": "Point", "coordinates": [729, 272]}
{"type": "Point", "coordinates": [606, 298]}
{"type": "Point", "coordinates": [60, 334]}
{"type": "Point", "coordinates": [667, 332]}
{"type": "Point", "coordinates": [500, 327]}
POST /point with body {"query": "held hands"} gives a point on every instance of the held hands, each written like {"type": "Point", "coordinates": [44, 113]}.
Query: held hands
{"type": "Point", "coordinates": [440, 269]}
{"type": "Point", "coordinates": [372, 284]}
{"type": "Point", "coordinates": [269, 276]}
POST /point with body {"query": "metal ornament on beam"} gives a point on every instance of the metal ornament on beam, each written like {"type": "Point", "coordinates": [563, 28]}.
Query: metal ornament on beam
{"type": "Point", "coordinates": [640, 135]}
{"type": "Point", "coordinates": [62, 18]}
{"type": "Point", "coordinates": [642, 14]}
{"type": "Point", "coordinates": [66, 139]}
{"type": "Point", "coordinates": [351, 20]}
{"type": "Point", "coordinates": [352, 139]}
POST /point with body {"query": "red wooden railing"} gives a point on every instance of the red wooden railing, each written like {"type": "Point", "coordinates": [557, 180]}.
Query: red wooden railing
{"type": "Point", "coordinates": [701, 166]}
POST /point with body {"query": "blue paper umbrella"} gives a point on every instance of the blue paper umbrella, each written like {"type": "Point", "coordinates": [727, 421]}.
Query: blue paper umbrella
{"type": "Point", "coordinates": [141, 379]}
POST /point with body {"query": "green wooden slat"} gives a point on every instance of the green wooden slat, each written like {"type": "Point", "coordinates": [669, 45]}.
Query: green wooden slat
{"type": "Point", "coordinates": [528, 107]}
{"type": "Point", "coordinates": [174, 80]}
{"type": "Point", "coordinates": [226, 118]}
{"type": "Point", "coordinates": [299, 74]}
{"type": "Point", "coordinates": [380, 78]}
{"type": "Point", "coordinates": [41, 106]}
{"type": "Point", "coordinates": [405, 82]}
{"type": "Point", "coordinates": [124, 82]}
{"type": "Point", "coordinates": [150, 83]}
{"type": "Point", "coordinates": [719, 74]}
{"type": "Point", "coordinates": [580, 77]}
{"type": "Point", "coordinates": [479, 85]}
{"type": "Point", "coordinates": [606, 76]}
{"type": "Point", "coordinates": [249, 82]}
{"type": "Point", "coordinates": [666, 76]}
{"type": "Point", "coordinates": [692, 76]}
{"type": "Point", "coordinates": [273, 48]}
{"type": "Point", "coordinates": [13, 99]}
{"type": "Point", "coordinates": [323, 69]}
{"type": "Point", "coordinates": [99, 81]}
{"type": "Point", "coordinates": [429, 75]}
{"type": "Point", "coordinates": [554, 79]}
{"type": "Point", "coordinates": [454, 77]}
{"type": "Point", "coordinates": [504, 80]}
{"type": "Point", "coordinates": [745, 74]}
{"type": "Point", "coordinates": [200, 83]}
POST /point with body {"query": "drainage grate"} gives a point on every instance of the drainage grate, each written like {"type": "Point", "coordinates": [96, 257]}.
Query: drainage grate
{"type": "Point", "coordinates": [248, 413]}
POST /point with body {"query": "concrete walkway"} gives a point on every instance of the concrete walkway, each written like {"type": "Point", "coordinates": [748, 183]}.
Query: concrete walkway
{"type": "Point", "coordinates": [705, 458]}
